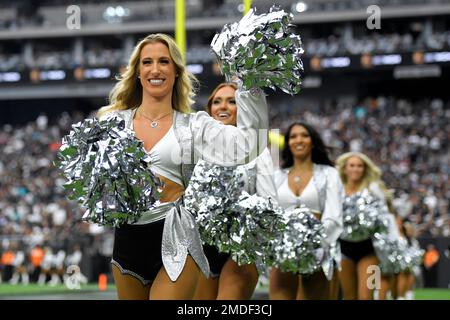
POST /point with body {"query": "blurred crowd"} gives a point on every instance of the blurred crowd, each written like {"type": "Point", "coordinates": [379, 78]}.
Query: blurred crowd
{"type": "Point", "coordinates": [349, 38]}
{"type": "Point", "coordinates": [408, 140]}
{"type": "Point", "coordinates": [332, 46]}
{"type": "Point", "coordinates": [162, 10]}
{"type": "Point", "coordinates": [377, 44]}
{"type": "Point", "coordinates": [34, 210]}
{"type": "Point", "coordinates": [48, 54]}
{"type": "Point", "coordinates": [47, 60]}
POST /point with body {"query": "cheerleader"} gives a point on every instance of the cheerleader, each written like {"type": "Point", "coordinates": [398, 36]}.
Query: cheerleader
{"type": "Point", "coordinates": [151, 259]}
{"type": "Point", "coordinates": [308, 177]}
{"type": "Point", "coordinates": [407, 278]}
{"type": "Point", "coordinates": [388, 284]}
{"type": "Point", "coordinates": [46, 266]}
{"type": "Point", "coordinates": [228, 280]}
{"type": "Point", "coordinates": [57, 270]}
{"type": "Point", "coordinates": [359, 173]}
{"type": "Point", "coordinates": [20, 267]}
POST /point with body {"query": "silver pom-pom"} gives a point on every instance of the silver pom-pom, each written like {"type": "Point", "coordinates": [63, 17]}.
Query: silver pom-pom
{"type": "Point", "coordinates": [228, 217]}
{"type": "Point", "coordinates": [364, 215]}
{"type": "Point", "coordinates": [413, 258]}
{"type": "Point", "coordinates": [262, 51]}
{"type": "Point", "coordinates": [108, 171]}
{"type": "Point", "coordinates": [299, 247]}
{"type": "Point", "coordinates": [396, 255]}
{"type": "Point", "coordinates": [390, 252]}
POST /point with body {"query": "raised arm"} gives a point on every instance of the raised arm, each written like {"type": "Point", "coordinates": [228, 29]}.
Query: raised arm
{"type": "Point", "coordinates": [228, 145]}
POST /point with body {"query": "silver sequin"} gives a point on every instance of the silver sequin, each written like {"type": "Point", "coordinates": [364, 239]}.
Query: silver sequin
{"type": "Point", "coordinates": [262, 51]}
{"type": "Point", "coordinates": [299, 247]}
{"type": "Point", "coordinates": [363, 215]}
{"type": "Point", "coordinates": [228, 217]}
{"type": "Point", "coordinates": [395, 255]}
{"type": "Point", "coordinates": [108, 171]}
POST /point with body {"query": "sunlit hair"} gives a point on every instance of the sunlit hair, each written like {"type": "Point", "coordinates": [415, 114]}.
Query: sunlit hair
{"type": "Point", "coordinates": [372, 173]}
{"type": "Point", "coordinates": [213, 94]}
{"type": "Point", "coordinates": [127, 92]}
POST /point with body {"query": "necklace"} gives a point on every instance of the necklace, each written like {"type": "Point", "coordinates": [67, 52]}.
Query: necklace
{"type": "Point", "coordinates": [296, 178]}
{"type": "Point", "coordinates": [153, 123]}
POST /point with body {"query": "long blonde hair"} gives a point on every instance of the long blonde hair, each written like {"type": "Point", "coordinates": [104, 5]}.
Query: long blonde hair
{"type": "Point", "coordinates": [372, 173]}
{"type": "Point", "coordinates": [127, 92]}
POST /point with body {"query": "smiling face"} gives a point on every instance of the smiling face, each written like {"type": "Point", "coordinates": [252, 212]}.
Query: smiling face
{"type": "Point", "coordinates": [300, 142]}
{"type": "Point", "coordinates": [223, 106]}
{"type": "Point", "coordinates": [354, 169]}
{"type": "Point", "coordinates": [156, 70]}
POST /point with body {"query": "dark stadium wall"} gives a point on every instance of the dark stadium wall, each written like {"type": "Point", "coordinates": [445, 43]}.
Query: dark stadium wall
{"type": "Point", "coordinates": [442, 269]}
{"type": "Point", "coordinates": [373, 84]}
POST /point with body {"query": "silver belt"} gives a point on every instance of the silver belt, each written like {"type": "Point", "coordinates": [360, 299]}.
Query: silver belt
{"type": "Point", "coordinates": [180, 237]}
{"type": "Point", "coordinates": [156, 214]}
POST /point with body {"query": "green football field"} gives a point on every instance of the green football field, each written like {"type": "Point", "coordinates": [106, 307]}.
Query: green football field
{"type": "Point", "coordinates": [8, 289]}
{"type": "Point", "coordinates": [432, 294]}
{"type": "Point", "coordinates": [61, 291]}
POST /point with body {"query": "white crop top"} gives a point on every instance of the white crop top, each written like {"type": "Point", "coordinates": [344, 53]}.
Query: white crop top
{"type": "Point", "coordinates": [239, 145]}
{"type": "Point", "coordinates": [325, 181]}
{"type": "Point", "coordinates": [165, 154]}
{"type": "Point", "coordinates": [309, 197]}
